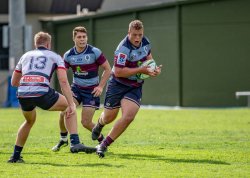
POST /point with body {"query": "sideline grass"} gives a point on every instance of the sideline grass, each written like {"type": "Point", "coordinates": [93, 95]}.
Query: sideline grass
{"type": "Point", "coordinates": [159, 143]}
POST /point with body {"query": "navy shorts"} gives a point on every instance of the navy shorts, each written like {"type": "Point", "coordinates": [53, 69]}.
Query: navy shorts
{"type": "Point", "coordinates": [85, 97]}
{"type": "Point", "coordinates": [117, 91]}
{"type": "Point", "coordinates": [45, 102]}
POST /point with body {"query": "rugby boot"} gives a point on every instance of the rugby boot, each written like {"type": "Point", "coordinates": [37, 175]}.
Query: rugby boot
{"type": "Point", "coordinates": [100, 150]}
{"type": "Point", "coordinates": [81, 148]}
{"type": "Point", "coordinates": [16, 160]}
{"type": "Point", "coordinates": [96, 131]}
{"type": "Point", "coordinates": [60, 145]}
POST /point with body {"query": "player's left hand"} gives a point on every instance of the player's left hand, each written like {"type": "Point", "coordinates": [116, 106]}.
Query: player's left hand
{"type": "Point", "coordinates": [158, 69]}
{"type": "Point", "coordinates": [97, 91]}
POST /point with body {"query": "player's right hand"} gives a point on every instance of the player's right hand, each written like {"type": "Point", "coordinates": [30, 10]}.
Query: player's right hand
{"type": "Point", "coordinates": [71, 109]}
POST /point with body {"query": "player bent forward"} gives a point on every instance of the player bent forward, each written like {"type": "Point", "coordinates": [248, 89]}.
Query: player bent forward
{"type": "Point", "coordinates": [124, 89]}
{"type": "Point", "coordinates": [32, 77]}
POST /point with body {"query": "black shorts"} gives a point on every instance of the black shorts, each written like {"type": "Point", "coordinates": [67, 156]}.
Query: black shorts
{"type": "Point", "coordinates": [85, 97]}
{"type": "Point", "coordinates": [117, 91]}
{"type": "Point", "coordinates": [45, 102]}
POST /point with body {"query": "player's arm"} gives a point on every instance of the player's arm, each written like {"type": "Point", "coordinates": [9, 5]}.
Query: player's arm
{"type": "Point", "coordinates": [15, 79]}
{"type": "Point", "coordinates": [158, 68]}
{"type": "Point", "coordinates": [120, 69]}
{"type": "Point", "coordinates": [105, 76]}
{"type": "Point", "coordinates": [127, 72]}
{"type": "Point", "coordinates": [65, 87]}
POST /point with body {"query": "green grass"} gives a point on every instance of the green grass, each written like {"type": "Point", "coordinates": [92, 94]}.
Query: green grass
{"type": "Point", "coordinates": [159, 143]}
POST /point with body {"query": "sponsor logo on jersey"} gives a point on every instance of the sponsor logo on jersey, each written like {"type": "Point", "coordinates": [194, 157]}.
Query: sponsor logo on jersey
{"type": "Point", "coordinates": [80, 72]}
{"type": "Point", "coordinates": [121, 59]}
{"type": "Point", "coordinates": [76, 60]}
{"type": "Point", "coordinates": [33, 79]}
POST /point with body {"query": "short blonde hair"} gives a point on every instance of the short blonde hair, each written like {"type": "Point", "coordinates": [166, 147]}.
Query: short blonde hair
{"type": "Point", "coordinates": [135, 24]}
{"type": "Point", "coordinates": [79, 29]}
{"type": "Point", "coordinates": [42, 39]}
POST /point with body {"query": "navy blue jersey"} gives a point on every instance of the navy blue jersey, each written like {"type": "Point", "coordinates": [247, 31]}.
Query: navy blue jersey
{"type": "Point", "coordinates": [85, 66]}
{"type": "Point", "coordinates": [127, 55]}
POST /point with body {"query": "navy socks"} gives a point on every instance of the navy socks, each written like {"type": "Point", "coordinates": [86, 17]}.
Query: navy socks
{"type": "Point", "coordinates": [74, 139]}
{"type": "Point", "coordinates": [17, 151]}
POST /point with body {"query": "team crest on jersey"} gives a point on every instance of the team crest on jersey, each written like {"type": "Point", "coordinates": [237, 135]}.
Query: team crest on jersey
{"type": "Point", "coordinates": [87, 58]}
{"type": "Point", "coordinates": [121, 59]}
{"type": "Point", "coordinates": [132, 57]}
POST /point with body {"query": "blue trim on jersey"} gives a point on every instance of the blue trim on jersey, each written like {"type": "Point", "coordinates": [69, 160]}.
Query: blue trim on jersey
{"type": "Point", "coordinates": [42, 48]}
{"type": "Point", "coordinates": [34, 84]}
{"type": "Point", "coordinates": [37, 73]}
{"type": "Point", "coordinates": [31, 94]}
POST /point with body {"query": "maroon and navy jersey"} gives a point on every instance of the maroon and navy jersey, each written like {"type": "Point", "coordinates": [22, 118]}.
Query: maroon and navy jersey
{"type": "Point", "coordinates": [127, 55]}
{"type": "Point", "coordinates": [37, 67]}
{"type": "Point", "coordinates": [85, 66]}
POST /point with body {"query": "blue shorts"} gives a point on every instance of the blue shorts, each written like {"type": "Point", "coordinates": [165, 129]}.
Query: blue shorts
{"type": "Point", "coordinates": [85, 97]}
{"type": "Point", "coordinates": [117, 91]}
{"type": "Point", "coordinates": [45, 102]}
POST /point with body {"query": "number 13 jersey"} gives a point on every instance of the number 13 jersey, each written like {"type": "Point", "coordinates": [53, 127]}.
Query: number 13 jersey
{"type": "Point", "coordinates": [37, 67]}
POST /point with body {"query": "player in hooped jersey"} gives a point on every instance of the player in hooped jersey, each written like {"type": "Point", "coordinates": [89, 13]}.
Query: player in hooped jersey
{"type": "Point", "coordinates": [124, 89]}
{"type": "Point", "coordinates": [32, 77]}
{"type": "Point", "coordinates": [84, 60]}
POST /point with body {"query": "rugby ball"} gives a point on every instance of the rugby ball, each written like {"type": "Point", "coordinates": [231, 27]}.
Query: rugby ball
{"type": "Point", "coordinates": [152, 65]}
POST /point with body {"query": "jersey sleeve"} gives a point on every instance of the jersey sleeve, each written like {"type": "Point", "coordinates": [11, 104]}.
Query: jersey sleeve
{"type": "Point", "coordinates": [19, 66]}
{"type": "Point", "coordinates": [100, 58]}
{"type": "Point", "coordinates": [120, 58]}
{"type": "Point", "coordinates": [60, 62]}
{"type": "Point", "coordinates": [66, 62]}
{"type": "Point", "coordinates": [148, 46]}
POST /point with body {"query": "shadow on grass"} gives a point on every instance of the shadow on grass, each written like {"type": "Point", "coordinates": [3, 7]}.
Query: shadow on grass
{"type": "Point", "coordinates": [129, 156]}
{"type": "Point", "coordinates": [162, 158]}
{"type": "Point", "coordinates": [75, 165]}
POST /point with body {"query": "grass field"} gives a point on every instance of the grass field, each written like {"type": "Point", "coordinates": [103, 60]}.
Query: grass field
{"type": "Point", "coordinates": [159, 143]}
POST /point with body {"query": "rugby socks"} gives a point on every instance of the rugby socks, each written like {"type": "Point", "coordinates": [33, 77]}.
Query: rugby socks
{"type": "Point", "coordinates": [64, 136]}
{"type": "Point", "coordinates": [107, 141]}
{"type": "Point", "coordinates": [100, 138]}
{"type": "Point", "coordinates": [17, 151]}
{"type": "Point", "coordinates": [74, 139]}
{"type": "Point", "coordinates": [99, 124]}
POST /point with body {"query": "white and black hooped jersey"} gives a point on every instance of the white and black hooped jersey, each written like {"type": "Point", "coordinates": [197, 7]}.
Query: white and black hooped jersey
{"type": "Point", "coordinates": [37, 67]}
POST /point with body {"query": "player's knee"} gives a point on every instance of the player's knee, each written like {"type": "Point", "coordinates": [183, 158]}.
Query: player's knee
{"type": "Point", "coordinates": [85, 123]}
{"type": "Point", "coordinates": [31, 121]}
{"type": "Point", "coordinates": [62, 114]}
{"type": "Point", "coordinates": [108, 118]}
{"type": "Point", "coordinates": [129, 118]}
